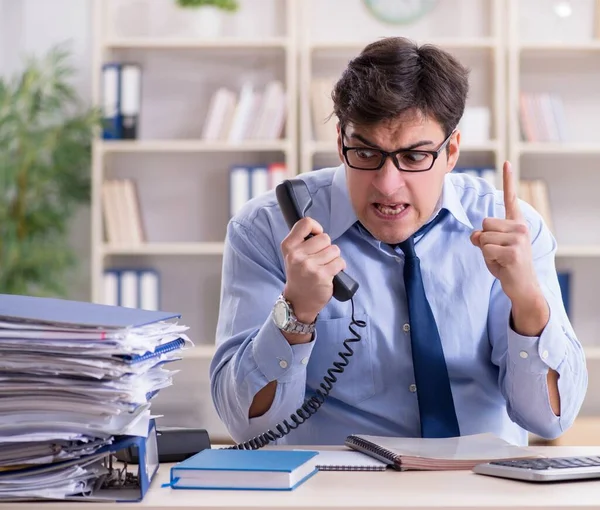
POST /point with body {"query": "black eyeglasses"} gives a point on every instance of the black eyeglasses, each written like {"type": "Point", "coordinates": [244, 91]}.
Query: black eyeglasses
{"type": "Point", "coordinates": [406, 160]}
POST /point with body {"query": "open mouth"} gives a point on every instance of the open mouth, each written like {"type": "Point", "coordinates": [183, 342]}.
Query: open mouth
{"type": "Point", "coordinates": [390, 210]}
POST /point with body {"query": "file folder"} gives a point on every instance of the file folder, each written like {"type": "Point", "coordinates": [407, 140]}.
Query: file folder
{"type": "Point", "coordinates": [130, 100]}
{"type": "Point", "coordinates": [63, 312]}
{"type": "Point", "coordinates": [111, 102]}
{"type": "Point", "coordinates": [121, 484]}
{"type": "Point", "coordinates": [135, 485]}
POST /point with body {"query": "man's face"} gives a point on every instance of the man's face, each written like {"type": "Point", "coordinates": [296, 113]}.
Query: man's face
{"type": "Point", "coordinates": [392, 204]}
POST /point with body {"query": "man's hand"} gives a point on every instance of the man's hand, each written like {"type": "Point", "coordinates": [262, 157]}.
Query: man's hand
{"type": "Point", "coordinates": [310, 266]}
{"type": "Point", "coordinates": [506, 246]}
{"type": "Point", "coordinates": [506, 249]}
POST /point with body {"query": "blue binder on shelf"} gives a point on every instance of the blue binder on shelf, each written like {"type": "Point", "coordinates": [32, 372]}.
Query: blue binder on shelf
{"type": "Point", "coordinates": [112, 127]}
{"type": "Point", "coordinates": [564, 281]}
{"type": "Point", "coordinates": [66, 313]}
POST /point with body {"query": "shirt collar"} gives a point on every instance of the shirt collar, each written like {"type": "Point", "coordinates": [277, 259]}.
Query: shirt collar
{"type": "Point", "coordinates": [343, 215]}
{"type": "Point", "coordinates": [451, 201]}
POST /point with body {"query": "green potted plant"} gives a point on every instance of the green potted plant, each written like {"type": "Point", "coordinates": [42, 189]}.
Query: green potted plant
{"type": "Point", "coordinates": [45, 145]}
{"type": "Point", "coordinates": [206, 16]}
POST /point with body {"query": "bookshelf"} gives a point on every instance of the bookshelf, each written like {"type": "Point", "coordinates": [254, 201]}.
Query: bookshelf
{"type": "Point", "coordinates": [553, 54]}
{"type": "Point", "coordinates": [476, 37]}
{"type": "Point", "coordinates": [297, 43]}
{"type": "Point", "coordinates": [182, 179]}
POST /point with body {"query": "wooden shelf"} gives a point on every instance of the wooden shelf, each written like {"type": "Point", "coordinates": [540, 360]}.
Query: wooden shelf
{"type": "Point", "coordinates": [449, 43]}
{"type": "Point", "coordinates": [203, 351]}
{"type": "Point", "coordinates": [116, 146]}
{"type": "Point", "coordinates": [557, 46]}
{"type": "Point", "coordinates": [592, 353]}
{"type": "Point", "coordinates": [165, 249]}
{"type": "Point", "coordinates": [166, 43]}
{"type": "Point", "coordinates": [559, 148]}
{"type": "Point", "coordinates": [580, 250]}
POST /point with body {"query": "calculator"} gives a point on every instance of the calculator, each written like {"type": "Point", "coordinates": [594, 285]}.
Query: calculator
{"type": "Point", "coordinates": [551, 469]}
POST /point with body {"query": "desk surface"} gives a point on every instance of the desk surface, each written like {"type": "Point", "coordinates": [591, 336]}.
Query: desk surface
{"type": "Point", "coordinates": [372, 490]}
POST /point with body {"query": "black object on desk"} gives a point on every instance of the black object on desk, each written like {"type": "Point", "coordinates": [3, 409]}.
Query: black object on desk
{"type": "Point", "coordinates": [175, 444]}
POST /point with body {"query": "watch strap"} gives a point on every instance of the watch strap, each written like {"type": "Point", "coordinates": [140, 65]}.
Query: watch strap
{"type": "Point", "coordinates": [293, 324]}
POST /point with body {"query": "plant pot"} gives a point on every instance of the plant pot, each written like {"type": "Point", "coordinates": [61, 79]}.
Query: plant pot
{"type": "Point", "coordinates": [206, 22]}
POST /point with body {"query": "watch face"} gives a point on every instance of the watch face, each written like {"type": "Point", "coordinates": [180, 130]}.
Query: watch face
{"type": "Point", "coordinates": [281, 314]}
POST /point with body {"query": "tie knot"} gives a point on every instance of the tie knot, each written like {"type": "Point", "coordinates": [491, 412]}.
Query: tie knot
{"type": "Point", "coordinates": [408, 247]}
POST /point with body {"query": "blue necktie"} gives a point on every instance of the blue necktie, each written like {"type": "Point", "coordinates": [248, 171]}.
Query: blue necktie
{"type": "Point", "coordinates": [436, 406]}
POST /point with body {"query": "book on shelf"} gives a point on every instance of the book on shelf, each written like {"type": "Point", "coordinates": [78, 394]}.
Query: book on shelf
{"type": "Point", "coordinates": [542, 117]}
{"type": "Point", "coordinates": [132, 288]}
{"type": "Point", "coordinates": [121, 100]}
{"type": "Point", "coordinates": [475, 125]}
{"type": "Point", "coordinates": [256, 114]}
{"type": "Point", "coordinates": [323, 122]}
{"type": "Point", "coordinates": [535, 193]}
{"type": "Point", "coordinates": [247, 182]}
{"type": "Point", "coordinates": [122, 212]}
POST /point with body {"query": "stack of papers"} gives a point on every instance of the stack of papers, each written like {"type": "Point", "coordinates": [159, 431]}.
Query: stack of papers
{"type": "Point", "coordinates": [73, 376]}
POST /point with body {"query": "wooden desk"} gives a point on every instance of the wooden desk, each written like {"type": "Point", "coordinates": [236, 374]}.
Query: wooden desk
{"type": "Point", "coordinates": [372, 490]}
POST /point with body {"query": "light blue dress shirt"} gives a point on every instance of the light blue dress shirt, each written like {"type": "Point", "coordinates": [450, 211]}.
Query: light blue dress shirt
{"type": "Point", "coordinates": [498, 377]}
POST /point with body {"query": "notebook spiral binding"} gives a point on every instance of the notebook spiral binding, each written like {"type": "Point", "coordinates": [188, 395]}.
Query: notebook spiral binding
{"type": "Point", "coordinates": [350, 468]}
{"type": "Point", "coordinates": [312, 404]}
{"type": "Point", "coordinates": [376, 451]}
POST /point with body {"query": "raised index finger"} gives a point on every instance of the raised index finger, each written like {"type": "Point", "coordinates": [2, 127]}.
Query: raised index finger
{"type": "Point", "coordinates": [511, 202]}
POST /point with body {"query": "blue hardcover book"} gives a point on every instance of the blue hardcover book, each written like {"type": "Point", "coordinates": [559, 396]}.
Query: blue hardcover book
{"type": "Point", "coordinates": [244, 470]}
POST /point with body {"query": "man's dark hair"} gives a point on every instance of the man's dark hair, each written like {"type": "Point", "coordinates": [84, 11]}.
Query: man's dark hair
{"type": "Point", "coordinates": [394, 76]}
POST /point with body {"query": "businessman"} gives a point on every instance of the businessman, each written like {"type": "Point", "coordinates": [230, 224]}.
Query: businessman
{"type": "Point", "coordinates": [464, 327]}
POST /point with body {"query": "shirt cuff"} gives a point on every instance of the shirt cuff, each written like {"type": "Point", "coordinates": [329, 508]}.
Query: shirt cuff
{"type": "Point", "coordinates": [538, 353]}
{"type": "Point", "coordinates": [276, 358]}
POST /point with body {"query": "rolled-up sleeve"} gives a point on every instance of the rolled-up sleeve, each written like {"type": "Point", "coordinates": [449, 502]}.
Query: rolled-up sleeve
{"type": "Point", "coordinates": [251, 350]}
{"type": "Point", "coordinates": [524, 361]}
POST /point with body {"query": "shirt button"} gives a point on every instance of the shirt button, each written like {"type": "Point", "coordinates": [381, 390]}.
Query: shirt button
{"type": "Point", "coordinates": [283, 363]}
{"type": "Point", "coordinates": [545, 355]}
{"type": "Point", "coordinates": [412, 388]}
{"type": "Point", "coordinates": [304, 361]}
{"type": "Point", "coordinates": [523, 354]}
{"type": "Point", "coordinates": [406, 327]}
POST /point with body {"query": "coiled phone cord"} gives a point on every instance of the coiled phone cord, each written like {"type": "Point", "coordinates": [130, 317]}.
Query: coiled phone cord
{"type": "Point", "coordinates": [311, 405]}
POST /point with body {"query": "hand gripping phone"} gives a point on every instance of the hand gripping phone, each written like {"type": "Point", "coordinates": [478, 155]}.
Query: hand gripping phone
{"type": "Point", "coordinates": [294, 200]}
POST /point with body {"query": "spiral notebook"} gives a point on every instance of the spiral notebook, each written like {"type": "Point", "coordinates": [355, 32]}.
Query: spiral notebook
{"type": "Point", "coordinates": [347, 460]}
{"type": "Point", "coordinates": [465, 452]}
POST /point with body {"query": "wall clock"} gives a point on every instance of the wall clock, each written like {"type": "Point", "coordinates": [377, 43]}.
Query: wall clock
{"type": "Point", "coordinates": [399, 12]}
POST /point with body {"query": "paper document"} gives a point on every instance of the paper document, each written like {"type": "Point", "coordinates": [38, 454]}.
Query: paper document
{"type": "Point", "coordinates": [347, 460]}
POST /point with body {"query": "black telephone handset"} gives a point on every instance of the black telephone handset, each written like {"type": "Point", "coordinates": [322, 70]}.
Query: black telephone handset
{"type": "Point", "coordinates": [294, 200]}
